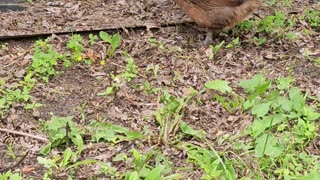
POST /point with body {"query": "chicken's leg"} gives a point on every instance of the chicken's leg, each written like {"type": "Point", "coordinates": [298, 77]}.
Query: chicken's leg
{"type": "Point", "coordinates": [208, 39]}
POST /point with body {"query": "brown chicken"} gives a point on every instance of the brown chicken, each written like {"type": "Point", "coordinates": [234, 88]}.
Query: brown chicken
{"type": "Point", "coordinates": [217, 15]}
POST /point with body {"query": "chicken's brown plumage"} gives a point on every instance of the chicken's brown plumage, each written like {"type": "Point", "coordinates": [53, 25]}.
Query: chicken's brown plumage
{"type": "Point", "coordinates": [217, 15]}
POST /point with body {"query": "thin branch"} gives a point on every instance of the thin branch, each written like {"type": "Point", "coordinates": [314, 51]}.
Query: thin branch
{"type": "Point", "coordinates": [17, 164]}
{"type": "Point", "coordinates": [24, 134]}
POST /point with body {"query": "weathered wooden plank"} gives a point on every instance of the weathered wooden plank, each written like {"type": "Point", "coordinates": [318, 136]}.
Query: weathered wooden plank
{"type": "Point", "coordinates": [61, 17]}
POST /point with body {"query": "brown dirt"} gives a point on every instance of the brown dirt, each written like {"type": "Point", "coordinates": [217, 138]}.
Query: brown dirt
{"type": "Point", "coordinates": [132, 107]}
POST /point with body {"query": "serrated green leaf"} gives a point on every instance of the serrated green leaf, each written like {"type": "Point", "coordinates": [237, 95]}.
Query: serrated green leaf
{"type": "Point", "coordinates": [311, 114]}
{"type": "Point", "coordinates": [268, 145]}
{"type": "Point", "coordinates": [249, 104]}
{"type": "Point", "coordinates": [261, 109]}
{"type": "Point", "coordinates": [297, 99]}
{"type": "Point", "coordinates": [284, 83]}
{"type": "Point", "coordinates": [112, 133]}
{"type": "Point", "coordinates": [251, 84]}
{"type": "Point", "coordinates": [219, 85]}
{"type": "Point", "coordinates": [284, 103]}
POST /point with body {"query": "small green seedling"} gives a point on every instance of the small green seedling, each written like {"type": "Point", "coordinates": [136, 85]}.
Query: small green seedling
{"type": "Point", "coordinates": [235, 42]}
{"type": "Point", "coordinates": [126, 75]}
{"type": "Point", "coordinates": [130, 71]}
{"type": "Point", "coordinates": [9, 96]}
{"type": "Point", "coordinates": [156, 42]}
{"type": "Point", "coordinates": [10, 176]}
{"type": "Point", "coordinates": [4, 46]}
{"type": "Point", "coordinates": [67, 162]}
{"type": "Point", "coordinates": [259, 40]}
{"type": "Point", "coordinates": [44, 60]}
{"type": "Point", "coordinates": [245, 25]}
{"type": "Point", "coordinates": [291, 35]}
{"type": "Point", "coordinates": [75, 45]}
{"type": "Point", "coordinates": [313, 18]}
{"type": "Point", "coordinates": [215, 49]}
{"type": "Point", "coordinates": [114, 41]}
{"type": "Point", "coordinates": [93, 39]}
{"type": "Point", "coordinates": [232, 102]}
{"type": "Point", "coordinates": [144, 169]}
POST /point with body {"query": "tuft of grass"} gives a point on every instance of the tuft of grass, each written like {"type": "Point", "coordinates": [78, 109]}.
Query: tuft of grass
{"type": "Point", "coordinates": [169, 115]}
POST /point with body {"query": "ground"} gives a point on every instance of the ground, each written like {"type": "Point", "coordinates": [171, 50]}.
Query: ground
{"type": "Point", "coordinates": [170, 55]}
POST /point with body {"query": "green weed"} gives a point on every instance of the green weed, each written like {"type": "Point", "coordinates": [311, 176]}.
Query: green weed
{"type": "Point", "coordinates": [93, 39]}
{"type": "Point", "coordinates": [312, 16]}
{"type": "Point", "coordinates": [10, 176]}
{"type": "Point", "coordinates": [232, 102]}
{"type": "Point", "coordinates": [130, 71]}
{"type": "Point", "coordinates": [235, 42]}
{"type": "Point", "coordinates": [169, 115]}
{"type": "Point", "coordinates": [291, 35]}
{"type": "Point", "coordinates": [156, 42]}
{"type": "Point", "coordinates": [259, 41]}
{"type": "Point", "coordinates": [210, 162]}
{"type": "Point", "coordinates": [154, 68]}
{"type": "Point", "coordinates": [62, 130]}
{"type": "Point", "coordinates": [279, 3]}
{"type": "Point", "coordinates": [9, 96]}
{"type": "Point", "coordinates": [10, 150]}
{"type": "Point", "coordinates": [67, 162]}
{"type": "Point", "coordinates": [283, 127]}
{"type": "Point", "coordinates": [215, 49]}
{"type": "Point", "coordinates": [75, 45]}
{"type": "Point", "coordinates": [4, 46]}
{"type": "Point", "coordinates": [114, 41]}
{"type": "Point", "coordinates": [111, 133]}
{"type": "Point", "coordinates": [44, 60]}
{"type": "Point", "coordinates": [126, 75]}
{"type": "Point", "coordinates": [245, 25]}
{"type": "Point", "coordinates": [277, 25]}
{"type": "Point", "coordinates": [145, 170]}
{"type": "Point", "coordinates": [273, 23]}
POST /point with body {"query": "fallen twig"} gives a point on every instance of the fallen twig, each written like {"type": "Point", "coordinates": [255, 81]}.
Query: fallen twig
{"type": "Point", "coordinates": [15, 60]}
{"type": "Point", "coordinates": [122, 149]}
{"type": "Point", "coordinates": [12, 167]}
{"type": "Point", "coordinates": [24, 134]}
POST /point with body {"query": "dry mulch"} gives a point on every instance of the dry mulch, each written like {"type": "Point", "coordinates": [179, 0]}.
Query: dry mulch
{"type": "Point", "coordinates": [132, 107]}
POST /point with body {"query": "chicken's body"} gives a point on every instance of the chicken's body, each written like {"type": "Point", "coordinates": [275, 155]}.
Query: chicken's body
{"type": "Point", "coordinates": [217, 15]}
